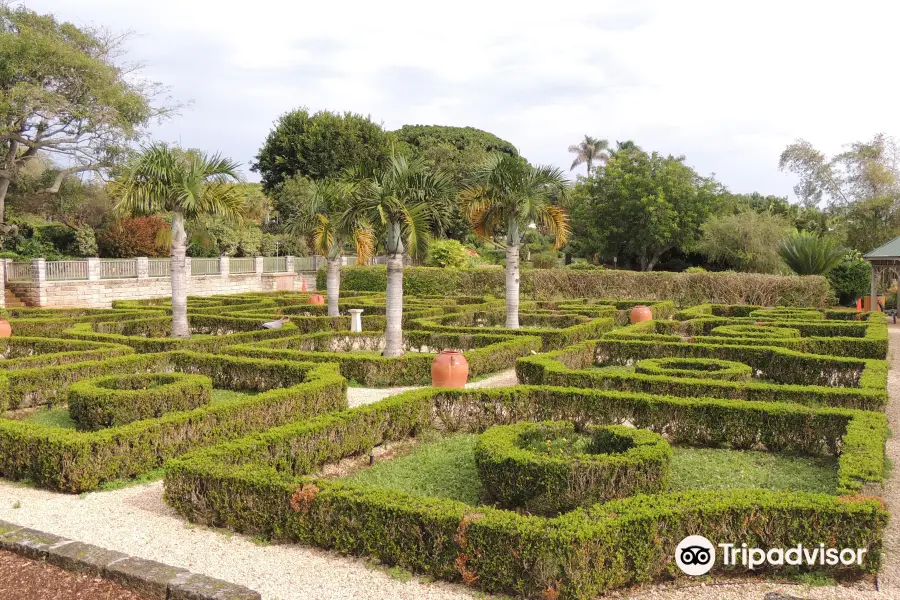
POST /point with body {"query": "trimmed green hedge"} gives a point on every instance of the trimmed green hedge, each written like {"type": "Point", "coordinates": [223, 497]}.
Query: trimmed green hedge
{"type": "Point", "coordinates": [71, 461]}
{"type": "Point", "coordinates": [262, 485]}
{"type": "Point", "coordinates": [618, 462]}
{"type": "Point", "coordinates": [807, 379]}
{"type": "Point", "coordinates": [45, 324]}
{"type": "Point", "coordinates": [684, 289]}
{"type": "Point", "coordinates": [556, 330]}
{"type": "Point", "coordinates": [359, 354]}
{"type": "Point", "coordinates": [698, 368]}
{"type": "Point", "coordinates": [787, 314]}
{"type": "Point", "coordinates": [31, 352]}
{"type": "Point", "coordinates": [114, 400]}
{"type": "Point", "coordinates": [755, 331]}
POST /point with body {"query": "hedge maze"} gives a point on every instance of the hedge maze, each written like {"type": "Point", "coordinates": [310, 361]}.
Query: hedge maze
{"type": "Point", "coordinates": [574, 480]}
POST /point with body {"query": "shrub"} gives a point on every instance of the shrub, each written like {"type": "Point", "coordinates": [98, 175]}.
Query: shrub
{"type": "Point", "coordinates": [447, 253]}
{"type": "Point", "coordinates": [807, 253]}
{"type": "Point", "coordinates": [73, 461]}
{"type": "Point", "coordinates": [263, 485]}
{"type": "Point", "coordinates": [787, 314]}
{"type": "Point", "coordinates": [684, 289]}
{"type": "Point", "coordinates": [544, 260]}
{"type": "Point", "coordinates": [128, 238]}
{"type": "Point", "coordinates": [585, 266]}
{"type": "Point", "coordinates": [755, 331]}
{"type": "Point", "coordinates": [706, 368]}
{"type": "Point", "coordinates": [851, 278]}
{"type": "Point", "coordinates": [114, 400]}
{"type": "Point", "coordinates": [525, 466]}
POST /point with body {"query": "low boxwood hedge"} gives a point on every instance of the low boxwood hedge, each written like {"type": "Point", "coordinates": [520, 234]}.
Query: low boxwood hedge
{"type": "Point", "coordinates": [755, 331]}
{"type": "Point", "coordinates": [264, 485]}
{"type": "Point", "coordinates": [113, 400]}
{"type": "Point", "coordinates": [359, 354]}
{"type": "Point", "coordinates": [809, 379]}
{"type": "Point", "coordinates": [556, 330]}
{"type": "Point", "coordinates": [47, 324]}
{"type": "Point", "coordinates": [541, 468]}
{"type": "Point", "coordinates": [698, 368]}
{"type": "Point", "coordinates": [72, 461]}
{"type": "Point", "coordinates": [20, 352]}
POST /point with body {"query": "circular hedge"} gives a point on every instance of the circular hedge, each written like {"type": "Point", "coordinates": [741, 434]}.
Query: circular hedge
{"type": "Point", "coordinates": [548, 468]}
{"type": "Point", "coordinates": [788, 314]}
{"type": "Point", "coordinates": [701, 368]}
{"type": "Point", "coordinates": [113, 400]}
{"type": "Point", "coordinates": [756, 332]}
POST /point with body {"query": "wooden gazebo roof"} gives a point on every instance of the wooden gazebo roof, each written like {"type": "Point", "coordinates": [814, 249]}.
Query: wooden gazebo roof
{"type": "Point", "coordinates": [886, 255]}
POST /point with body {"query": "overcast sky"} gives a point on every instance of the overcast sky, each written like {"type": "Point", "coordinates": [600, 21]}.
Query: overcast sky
{"type": "Point", "coordinates": [728, 84]}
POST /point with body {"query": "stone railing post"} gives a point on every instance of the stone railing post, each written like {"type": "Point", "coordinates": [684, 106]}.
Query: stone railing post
{"type": "Point", "coordinates": [142, 265]}
{"type": "Point", "coordinates": [39, 265]}
{"type": "Point", "coordinates": [224, 267]}
{"type": "Point", "coordinates": [3, 279]}
{"type": "Point", "coordinates": [289, 264]}
{"type": "Point", "coordinates": [93, 269]}
{"type": "Point", "coordinates": [258, 265]}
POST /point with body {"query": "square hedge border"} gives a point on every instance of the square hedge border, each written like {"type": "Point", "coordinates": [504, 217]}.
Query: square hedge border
{"type": "Point", "coordinates": [572, 367]}
{"type": "Point", "coordinates": [485, 354]}
{"type": "Point", "coordinates": [34, 352]}
{"type": "Point", "coordinates": [72, 461]}
{"type": "Point", "coordinates": [261, 485]}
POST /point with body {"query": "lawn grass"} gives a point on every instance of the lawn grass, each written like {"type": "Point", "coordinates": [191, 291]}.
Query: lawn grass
{"type": "Point", "coordinates": [445, 468]}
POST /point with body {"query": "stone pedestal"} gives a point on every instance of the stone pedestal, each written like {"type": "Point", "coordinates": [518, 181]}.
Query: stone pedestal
{"type": "Point", "coordinates": [355, 319]}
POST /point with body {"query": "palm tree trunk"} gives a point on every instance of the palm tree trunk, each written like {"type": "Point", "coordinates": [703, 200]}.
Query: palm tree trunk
{"type": "Point", "coordinates": [512, 286]}
{"type": "Point", "coordinates": [180, 327]}
{"type": "Point", "coordinates": [590, 163]}
{"type": "Point", "coordinates": [333, 285]}
{"type": "Point", "coordinates": [393, 335]}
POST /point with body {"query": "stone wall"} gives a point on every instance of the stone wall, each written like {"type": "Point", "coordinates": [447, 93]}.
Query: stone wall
{"type": "Point", "coordinates": [95, 292]}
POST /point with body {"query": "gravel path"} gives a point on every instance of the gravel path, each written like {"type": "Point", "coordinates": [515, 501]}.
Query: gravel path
{"type": "Point", "coordinates": [137, 521]}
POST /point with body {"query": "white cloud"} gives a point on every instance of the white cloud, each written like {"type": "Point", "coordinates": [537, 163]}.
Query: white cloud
{"type": "Point", "coordinates": [729, 84]}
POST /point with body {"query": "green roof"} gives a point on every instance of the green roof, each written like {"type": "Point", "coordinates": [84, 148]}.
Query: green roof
{"type": "Point", "coordinates": [889, 250]}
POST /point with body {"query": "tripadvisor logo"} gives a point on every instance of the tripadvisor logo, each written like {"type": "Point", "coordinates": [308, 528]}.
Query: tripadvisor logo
{"type": "Point", "coordinates": [695, 555]}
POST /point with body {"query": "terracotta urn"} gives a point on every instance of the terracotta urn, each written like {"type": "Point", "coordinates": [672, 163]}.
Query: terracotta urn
{"type": "Point", "coordinates": [449, 369]}
{"type": "Point", "coordinates": [641, 313]}
{"type": "Point", "coordinates": [5, 329]}
{"type": "Point", "coordinates": [316, 299]}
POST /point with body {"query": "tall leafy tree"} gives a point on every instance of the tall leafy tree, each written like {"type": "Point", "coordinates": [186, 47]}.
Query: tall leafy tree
{"type": "Point", "coordinates": [63, 92]}
{"type": "Point", "coordinates": [187, 184]}
{"type": "Point", "coordinates": [643, 205]}
{"type": "Point", "coordinates": [457, 152]}
{"type": "Point", "coordinates": [407, 202]}
{"type": "Point", "coordinates": [508, 196]}
{"type": "Point", "coordinates": [321, 218]}
{"type": "Point", "coordinates": [589, 151]}
{"type": "Point", "coordinates": [745, 241]}
{"type": "Point", "coordinates": [320, 146]}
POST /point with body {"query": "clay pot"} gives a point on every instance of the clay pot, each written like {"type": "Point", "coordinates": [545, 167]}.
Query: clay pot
{"type": "Point", "coordinates": [316, 299]}
{"type": "Point", "coordinates": [641, 313]}
{"type": "Point", "coordinates": [5, 329]}
{"type": "Point", "coordinates": [449, 369]}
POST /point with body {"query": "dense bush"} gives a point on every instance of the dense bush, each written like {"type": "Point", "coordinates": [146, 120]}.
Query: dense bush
{"type": "Point", "coordinates": [549, 468]}
{"type": "Point", "coordinates": [684, 289]}
{"type": "Point", "coordinates": [705, 368]}
{"type": "Point", "coordinates": [71, 461]}
{"type": "Point", "coordinates": [755, 331]}
{"type": "Point", "coordinates": [113, 400]}
{"type": "Point", "coordinates": [447, 253]}
{"type": "Point", "coordinates": [851, 278]}
{"type": "Point", "coordinates": [127, 238]}
{"type": "Point", "coordinates": [263, 486]}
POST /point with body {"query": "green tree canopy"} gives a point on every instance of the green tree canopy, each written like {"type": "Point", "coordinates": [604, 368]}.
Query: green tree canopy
{"type": "Point", "coordinates": [745, 241]}
{"type": "Point", "coordinates": [320, 146]}
{"type": "Point", "coordinates": [62, 92]}
{"type": "Point", "coordinates": [642, 205]}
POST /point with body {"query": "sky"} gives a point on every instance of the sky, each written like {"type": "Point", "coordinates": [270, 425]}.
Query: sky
{"type": "Point", "coordinates": [728, 84]}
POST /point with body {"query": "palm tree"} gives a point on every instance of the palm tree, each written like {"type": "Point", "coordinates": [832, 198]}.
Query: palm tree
{"type": "Point", "coordinates": [509, 194]}
{"type": "Point", "coordinates": [588, 151]}
{"type": "Point", "coordinates": [187, 184]}
{"type": "Point", "coordinates": [321, 219]}
{"type": "Point", "coordinates": [407, 201]}
{"type": "Point", "coordinates": [809, 254]}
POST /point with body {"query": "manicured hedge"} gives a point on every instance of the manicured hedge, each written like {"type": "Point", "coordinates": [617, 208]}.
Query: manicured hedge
{"type": "Point", "coordinates": [31, 352]}
{"type": "Point", "coordinates": [359, 354]}
{"type": "Point", "coordinates": [263, 485]}
{"type": "Point", "coordinates": [618, 462]}
{"type": "Point", "coordinates": [113, 400]}
{"type": "Point", "coordinates": [556, 330]}
{"type": "Point", "coordinates": [699, 368]}
{"type": "Point", "coordinates": [49, 325]}
{"type": "Point", "coordinates": [214, 332]}
{"type": "Point", "coordinates": [755, 331]}
{"type": "Point", "coordinates": [71, 461]}
{"type": "Point", "coordinates": [685, 289]}
{"type": "Point", "coordinates": [806, 379]}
